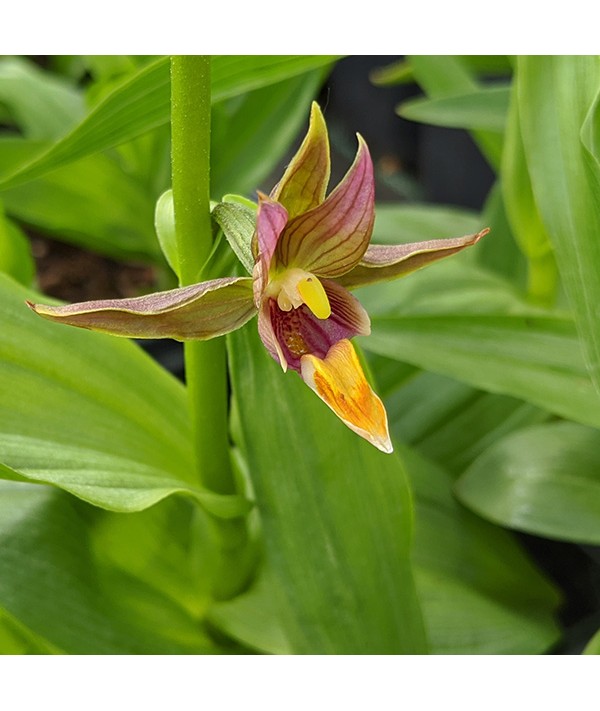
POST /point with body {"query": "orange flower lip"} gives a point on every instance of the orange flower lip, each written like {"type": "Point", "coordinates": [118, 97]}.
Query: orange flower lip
{"type": "Point", "coordinates": [340, 382]}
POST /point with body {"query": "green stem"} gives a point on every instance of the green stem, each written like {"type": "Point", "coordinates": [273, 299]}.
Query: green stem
{"type": "Point", "coordinates": [205, 361]}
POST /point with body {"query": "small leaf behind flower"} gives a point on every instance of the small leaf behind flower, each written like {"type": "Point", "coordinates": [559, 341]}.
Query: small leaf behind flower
{"type": "Point", "coordinates": [238, 222]}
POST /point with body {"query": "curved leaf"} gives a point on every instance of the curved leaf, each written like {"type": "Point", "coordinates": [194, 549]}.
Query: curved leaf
{"type": "Point", "coordinates": [92, 414]}
{"type": "Point", "coordinates": [544, 480]}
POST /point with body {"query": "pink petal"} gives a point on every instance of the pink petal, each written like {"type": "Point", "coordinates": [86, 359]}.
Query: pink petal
{"type": "Point", "coordinates": [304, 183]}
{"type": "Point", "coordinates": [196, 312]}
{"type": "Point", "coordinates": [270, 222]}
{"type": "Point", "coordinates": [330, 239]}
{"type": "Point", "coordinates": [381, 262]}
{"type": "Point", "coordinates": [288, 335]}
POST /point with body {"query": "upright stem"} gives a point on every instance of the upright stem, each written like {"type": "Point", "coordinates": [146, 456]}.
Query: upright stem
{"type": "Point", "coordinates": [205, 361]}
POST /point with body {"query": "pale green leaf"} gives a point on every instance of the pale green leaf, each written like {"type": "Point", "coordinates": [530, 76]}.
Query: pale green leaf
{"type": "Point", "coordinates": [482, 109]}
{"type": "Point", "coordinates": [238, 223]}
{"type": "Point", "coordinates": [141, 102]}
{"type": "Point", "coordinates": [92, 414]}
{"type": "Point", "coordinates": [42, 104]}
{"type": "Point", "coordinates": [555, 95]}
{"type": "Point", "coordinates": [335, 512]}
{"type": "Point", "coordinates": [544, 480]}
{"type": "Point", "coordinates": [51, 584]}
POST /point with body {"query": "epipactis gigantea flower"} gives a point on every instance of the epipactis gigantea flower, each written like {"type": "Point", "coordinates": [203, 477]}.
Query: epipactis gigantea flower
{"type": "Point", "coordinates": [310, 249]}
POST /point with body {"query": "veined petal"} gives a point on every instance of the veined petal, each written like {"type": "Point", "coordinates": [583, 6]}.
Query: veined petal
{"type": "Point", "coordinates": [339, 380]}
{"type": "Point", "coordinates": [304, 183]}
{"type": "Point", "coordinates": [289, 335]}
{"type": "Point", "coordinates": [196, 312]}
{"type": "Point", "coordinates": [271, 219]}
{"type": "Point", "coordinates": [382, 262]}
{"type": "Point", "coordinates": [331, 239]}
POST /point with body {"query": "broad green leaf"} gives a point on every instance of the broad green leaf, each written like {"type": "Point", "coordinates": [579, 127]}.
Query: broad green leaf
{"type": "Point", "coordinates": [92, 203]}
{"type": "Point", "coordinates": [590, 131]}
{"type": "Point", "coordinates": [555, 95]}
{"type": "Point", "coordinates": [92, 414]}
{"type": "Point", "coordinates": [482, 109]}
{"type": "Point", "coordinates": [447, 76]}
{"type": "Point", "coordinates": [480, 593]}
{"type": "Point", "coordinates": [16, 259]}
{"type": "Point", "coordinates": [42, 104]}
{"type": "Point", "coordinates": [536, 359]}
{"type": "Point", "coordinates": [51, 584]}
{"type": "Point", "coordinates": [335, 512]}
{"type": "Point", "coordinates": [142, 102]}
{"type": "Point", "coordinates": [250, 134]}
{"type": "Point", "coordinates": [544, 480]}
{"type": "Point", "coordinates": [468, 325]}
{"type": "Point", "coordinates": [451, 423]}
{"type": "Point", "coordinates": [523, 214]}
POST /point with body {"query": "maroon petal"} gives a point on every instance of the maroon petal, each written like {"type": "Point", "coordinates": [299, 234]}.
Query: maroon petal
{"type": "Point", "coordinates": [288, 335]}
{"type": "Point", "coordinates": [330, 239]}
{"type": "Point", "coordinates": [270, 222]}
{"type": "Point", "coordinates": [381, 262]}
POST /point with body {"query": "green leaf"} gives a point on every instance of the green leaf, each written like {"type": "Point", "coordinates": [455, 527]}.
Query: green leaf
{"type": "Point", "coordinates": [447, 76]}
{"type": "Point", "coordinates": [92, 203]}
{"type": "Point", "coordinates": [238, 223]}
{"type": "Point", "coordinates": [452, 423]}
{"type": "Point", "coordinates": [142, 102]}
{"type": "Point", "coordinates": [93, 415]}
{"type": "Point", "coordinates": [250, 134]}
{"type": "Point", "coordinates": [523, 214]}
{"type": "Point", "coordinates": [483, 109]}
{"type": "Point", "coordinates": [468, 325]}
{"type": "Point", "coordinates": [480, 593]}
{"type": "Point", "coordinates": [250, 618]}
{"type": "Point", "coordinates": [544, 480]}
{"type": "Point", "coordinates": [555, 96]}
{"type": "Point", "coordinates": [335, 512]}
{"type": "Point", "coordinates": [42, 104]}
{"type": "Point", "coordinates": [16, 259]}
{"type": "Point", "coordinates": [51, 584]}
{"type": "Point", "coordinates": [164, 224]}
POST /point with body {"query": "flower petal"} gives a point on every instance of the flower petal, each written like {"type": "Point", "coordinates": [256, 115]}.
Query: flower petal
{"type": "Point", "coordinates": [196, 312]}
{"type": "Point", "coordinates": [304, 183]}
{"type": "Point", "coordinates": [381, 262]}
{"type": "Point", "coordinates": [339, 381]}
{"type": "Point", "coordinates": [289, 335]}
{"type": "Point", "coordinates": [271, 218]}
{"type": "Point", "coordinates": [331, 239]}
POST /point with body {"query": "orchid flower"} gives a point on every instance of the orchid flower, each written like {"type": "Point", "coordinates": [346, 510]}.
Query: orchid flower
{"type": "Point", "coordinates": [309, 250]}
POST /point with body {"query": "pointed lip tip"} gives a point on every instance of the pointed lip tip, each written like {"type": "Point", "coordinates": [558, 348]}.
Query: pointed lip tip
{"type": "Point", "coordinates": [383, 445]}
{"type": "Point", "coordinates": [31, 305]}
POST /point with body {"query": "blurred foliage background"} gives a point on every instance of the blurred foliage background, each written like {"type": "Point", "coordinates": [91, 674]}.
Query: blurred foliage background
{"type": "Point", "coordinates": [485, 525]}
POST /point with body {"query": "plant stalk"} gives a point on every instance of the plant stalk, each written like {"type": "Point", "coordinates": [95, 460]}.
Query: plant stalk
{"type": "Point", "coordinates": [205, 361]}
